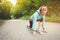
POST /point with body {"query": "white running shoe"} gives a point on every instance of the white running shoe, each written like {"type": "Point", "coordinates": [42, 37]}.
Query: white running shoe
{"type": "Point", "coordinates": [41, 32]}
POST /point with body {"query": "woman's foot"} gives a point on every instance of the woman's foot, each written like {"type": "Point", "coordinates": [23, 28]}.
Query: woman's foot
{"type": "Point", "coordinates": [41, 32]}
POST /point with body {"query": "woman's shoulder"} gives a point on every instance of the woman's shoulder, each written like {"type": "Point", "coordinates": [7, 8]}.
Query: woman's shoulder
{"type": "Point", "coordinates": [36, 13]}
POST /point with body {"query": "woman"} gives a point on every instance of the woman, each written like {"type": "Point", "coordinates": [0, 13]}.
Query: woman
{"type": "Point", "coordinates": [39, 15]}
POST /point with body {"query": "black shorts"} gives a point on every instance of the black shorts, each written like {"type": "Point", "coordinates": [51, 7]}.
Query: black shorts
{"type": "Point", "coordinates": [32, 22]}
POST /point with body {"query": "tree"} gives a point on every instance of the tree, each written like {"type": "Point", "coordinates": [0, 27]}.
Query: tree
{"type": "Point", "coordinates": [5, 10]}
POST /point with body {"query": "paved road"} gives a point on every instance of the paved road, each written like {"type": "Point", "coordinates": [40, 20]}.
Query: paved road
{"type": "Point", "coordinates": [17, 30]}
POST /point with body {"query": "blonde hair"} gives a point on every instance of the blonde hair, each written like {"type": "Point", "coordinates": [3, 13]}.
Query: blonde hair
{"type": "Point", "coordinates": [43, 7]}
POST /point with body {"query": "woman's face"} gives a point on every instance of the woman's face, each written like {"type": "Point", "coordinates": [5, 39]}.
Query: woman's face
{"type": "Point", "coordinates": [44, 11]}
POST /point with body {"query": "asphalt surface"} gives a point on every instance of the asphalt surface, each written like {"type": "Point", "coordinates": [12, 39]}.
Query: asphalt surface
{"type": "Point", "coordinates": [17, 30]}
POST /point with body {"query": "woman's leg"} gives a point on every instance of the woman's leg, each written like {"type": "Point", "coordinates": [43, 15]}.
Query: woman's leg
{"type": "Point", "coordinates": [39, 26]}
{"type": "Point", "coordinates": [30, 23]}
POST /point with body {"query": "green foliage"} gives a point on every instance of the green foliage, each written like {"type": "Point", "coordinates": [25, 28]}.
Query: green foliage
{"type": "Point", "coordinates": [25, 8]}
{"type": "Point", "coordinates": [5, 10]}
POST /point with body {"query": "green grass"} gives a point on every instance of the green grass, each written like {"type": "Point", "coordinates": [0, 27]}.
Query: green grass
{"type": "Point", "coordinates": [53, 19]}
{"type": "Point", "coordinates": [25, 18]}
{"type": "Point", "coordinates": [48, 19]}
